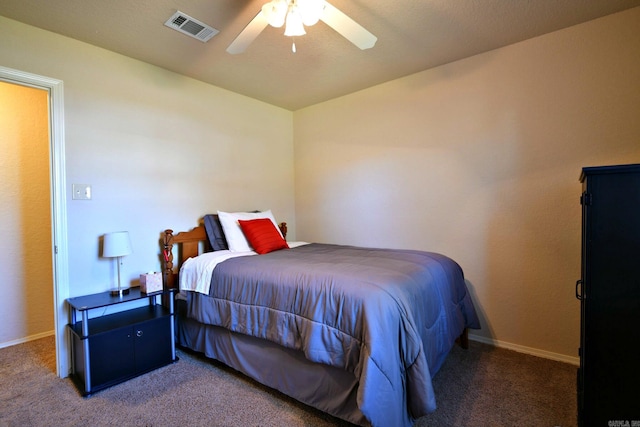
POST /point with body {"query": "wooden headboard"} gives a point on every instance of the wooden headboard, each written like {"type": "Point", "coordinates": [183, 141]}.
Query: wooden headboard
{"type": "Point", "coordinates": [190, 244]}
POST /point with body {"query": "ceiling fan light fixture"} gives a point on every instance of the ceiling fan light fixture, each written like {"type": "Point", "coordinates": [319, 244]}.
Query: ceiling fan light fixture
{"type": "Point", "coordinates": [310, 11]}
{"type": "Point", "coordinates": [300, 12]}
{"type": "Point", "coordinates": [275, 12]}
{"type": "Point", "coordinates": [294, 25]}
{"type": "Point", "coordinates": [295, 14]}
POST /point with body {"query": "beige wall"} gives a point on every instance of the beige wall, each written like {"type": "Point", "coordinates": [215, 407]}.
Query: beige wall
{"type": "Point", "coordinates": [160, 150]}
{"type": "Point", "coordinates": [479, 160]}
{"type": "Point", "coordinates": [26, 306]}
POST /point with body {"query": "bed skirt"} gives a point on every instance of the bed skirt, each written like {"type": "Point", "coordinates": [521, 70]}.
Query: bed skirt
{"type": "Point", "coordinates": [324, 387]}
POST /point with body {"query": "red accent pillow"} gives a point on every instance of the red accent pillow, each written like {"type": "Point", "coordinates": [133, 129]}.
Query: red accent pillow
{"type": "Point", "coordinates": [262, 235]}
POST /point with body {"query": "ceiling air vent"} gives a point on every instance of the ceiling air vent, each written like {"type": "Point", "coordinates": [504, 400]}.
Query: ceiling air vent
{"type": "Point", "coordinates": [191, 27]}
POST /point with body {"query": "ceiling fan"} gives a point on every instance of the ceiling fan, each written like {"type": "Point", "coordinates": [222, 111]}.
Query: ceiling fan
{"type": "Point", "coordinates": [295, 15]}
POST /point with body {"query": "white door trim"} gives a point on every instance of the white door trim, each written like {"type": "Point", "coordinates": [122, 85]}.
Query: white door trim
{"type": "Point", "coordinates": [59, 249]}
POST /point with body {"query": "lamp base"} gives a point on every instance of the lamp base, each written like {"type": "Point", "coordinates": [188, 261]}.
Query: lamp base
{"type": "Point", "coordinates": [119, 292]}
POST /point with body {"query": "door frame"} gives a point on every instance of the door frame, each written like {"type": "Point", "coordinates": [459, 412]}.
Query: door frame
{"type": "Point", "coordinates": [59, 249]}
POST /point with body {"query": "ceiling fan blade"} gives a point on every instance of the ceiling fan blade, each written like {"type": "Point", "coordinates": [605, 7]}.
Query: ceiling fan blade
{"type": "Point", "coordinates": [347, 27]}
{"type": "Point", "coordinates": [249, 34]}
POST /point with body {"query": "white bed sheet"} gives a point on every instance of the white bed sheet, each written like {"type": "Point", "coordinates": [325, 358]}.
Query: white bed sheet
{"type": "Point", "coordinates": [195, 274]}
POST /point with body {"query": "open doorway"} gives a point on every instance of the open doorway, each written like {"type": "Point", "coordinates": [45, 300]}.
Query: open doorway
{"type": "Point", "coordinates": [26, 312]}
{"type": "Point", "coordinates": [53, 257]}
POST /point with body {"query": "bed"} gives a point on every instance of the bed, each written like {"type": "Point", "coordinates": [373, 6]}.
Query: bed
{"type": "Point", "coordinates": [354, 332]}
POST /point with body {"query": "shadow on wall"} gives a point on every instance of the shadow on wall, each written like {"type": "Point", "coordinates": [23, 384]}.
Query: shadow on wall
{"type": "Point", "coordinates": [487, 330]}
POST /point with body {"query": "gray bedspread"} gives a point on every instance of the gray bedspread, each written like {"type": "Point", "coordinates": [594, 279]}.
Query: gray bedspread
{"type": "Point", "coordinates": [388, 316]}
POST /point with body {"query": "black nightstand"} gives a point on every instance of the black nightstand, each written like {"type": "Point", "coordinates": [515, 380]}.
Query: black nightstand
{"type": "Point", "coordinates": [108, 350]}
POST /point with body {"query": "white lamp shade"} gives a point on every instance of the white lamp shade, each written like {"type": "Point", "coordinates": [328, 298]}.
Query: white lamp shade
{"type": "Point", "coordinates": [295, 13]}
{"type": "Point", "coordinates": [275, 12]}
{"type": "Point", "coordinates": [311, 11]}
{"type": "Point", "coordinates": [116, 244]}
{"type": "Point", "coordinates": [294, 25]}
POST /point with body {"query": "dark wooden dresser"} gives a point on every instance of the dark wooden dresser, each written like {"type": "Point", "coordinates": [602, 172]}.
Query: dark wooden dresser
{"type": "Point", "coordinates": [609, 294]}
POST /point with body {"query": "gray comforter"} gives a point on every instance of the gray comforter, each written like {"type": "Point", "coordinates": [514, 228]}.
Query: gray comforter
{"type": "Point", "coordinates": [388, 316]}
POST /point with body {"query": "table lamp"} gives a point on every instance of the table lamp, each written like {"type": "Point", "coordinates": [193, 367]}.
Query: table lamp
{"type": "Point", "coordinates": [117, 245]}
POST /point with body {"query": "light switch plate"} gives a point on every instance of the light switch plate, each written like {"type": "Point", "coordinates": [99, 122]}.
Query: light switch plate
{"type": "Point", "coordinates": [81, 192]}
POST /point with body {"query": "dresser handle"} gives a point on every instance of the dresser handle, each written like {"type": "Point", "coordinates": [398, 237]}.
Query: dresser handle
{"type": "Point", "coordinates": [579, 294]}
{"type": "Point", "coordinates": [138, 333]}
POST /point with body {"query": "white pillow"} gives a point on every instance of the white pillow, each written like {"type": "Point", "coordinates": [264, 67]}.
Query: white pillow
{"type": "Point", "coordinates": [232, 231]}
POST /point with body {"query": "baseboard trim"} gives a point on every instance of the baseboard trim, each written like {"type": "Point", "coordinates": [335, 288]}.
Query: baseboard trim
{"type": "Point", "coordinates": [27, 339]}
{"type": "Point", "coordinates": [526, 350]}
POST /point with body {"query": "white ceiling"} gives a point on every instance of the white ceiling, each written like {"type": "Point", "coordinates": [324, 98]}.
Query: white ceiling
{"type": "Point", "coordinates": [413, 35]}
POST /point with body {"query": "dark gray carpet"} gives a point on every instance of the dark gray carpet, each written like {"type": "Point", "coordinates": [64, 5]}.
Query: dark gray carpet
{"type": "Point", "coordinates": [482, 386]}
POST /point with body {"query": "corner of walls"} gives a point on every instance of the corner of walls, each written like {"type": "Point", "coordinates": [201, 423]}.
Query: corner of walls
{"type": "Point", "coordinates": [479, 159]}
